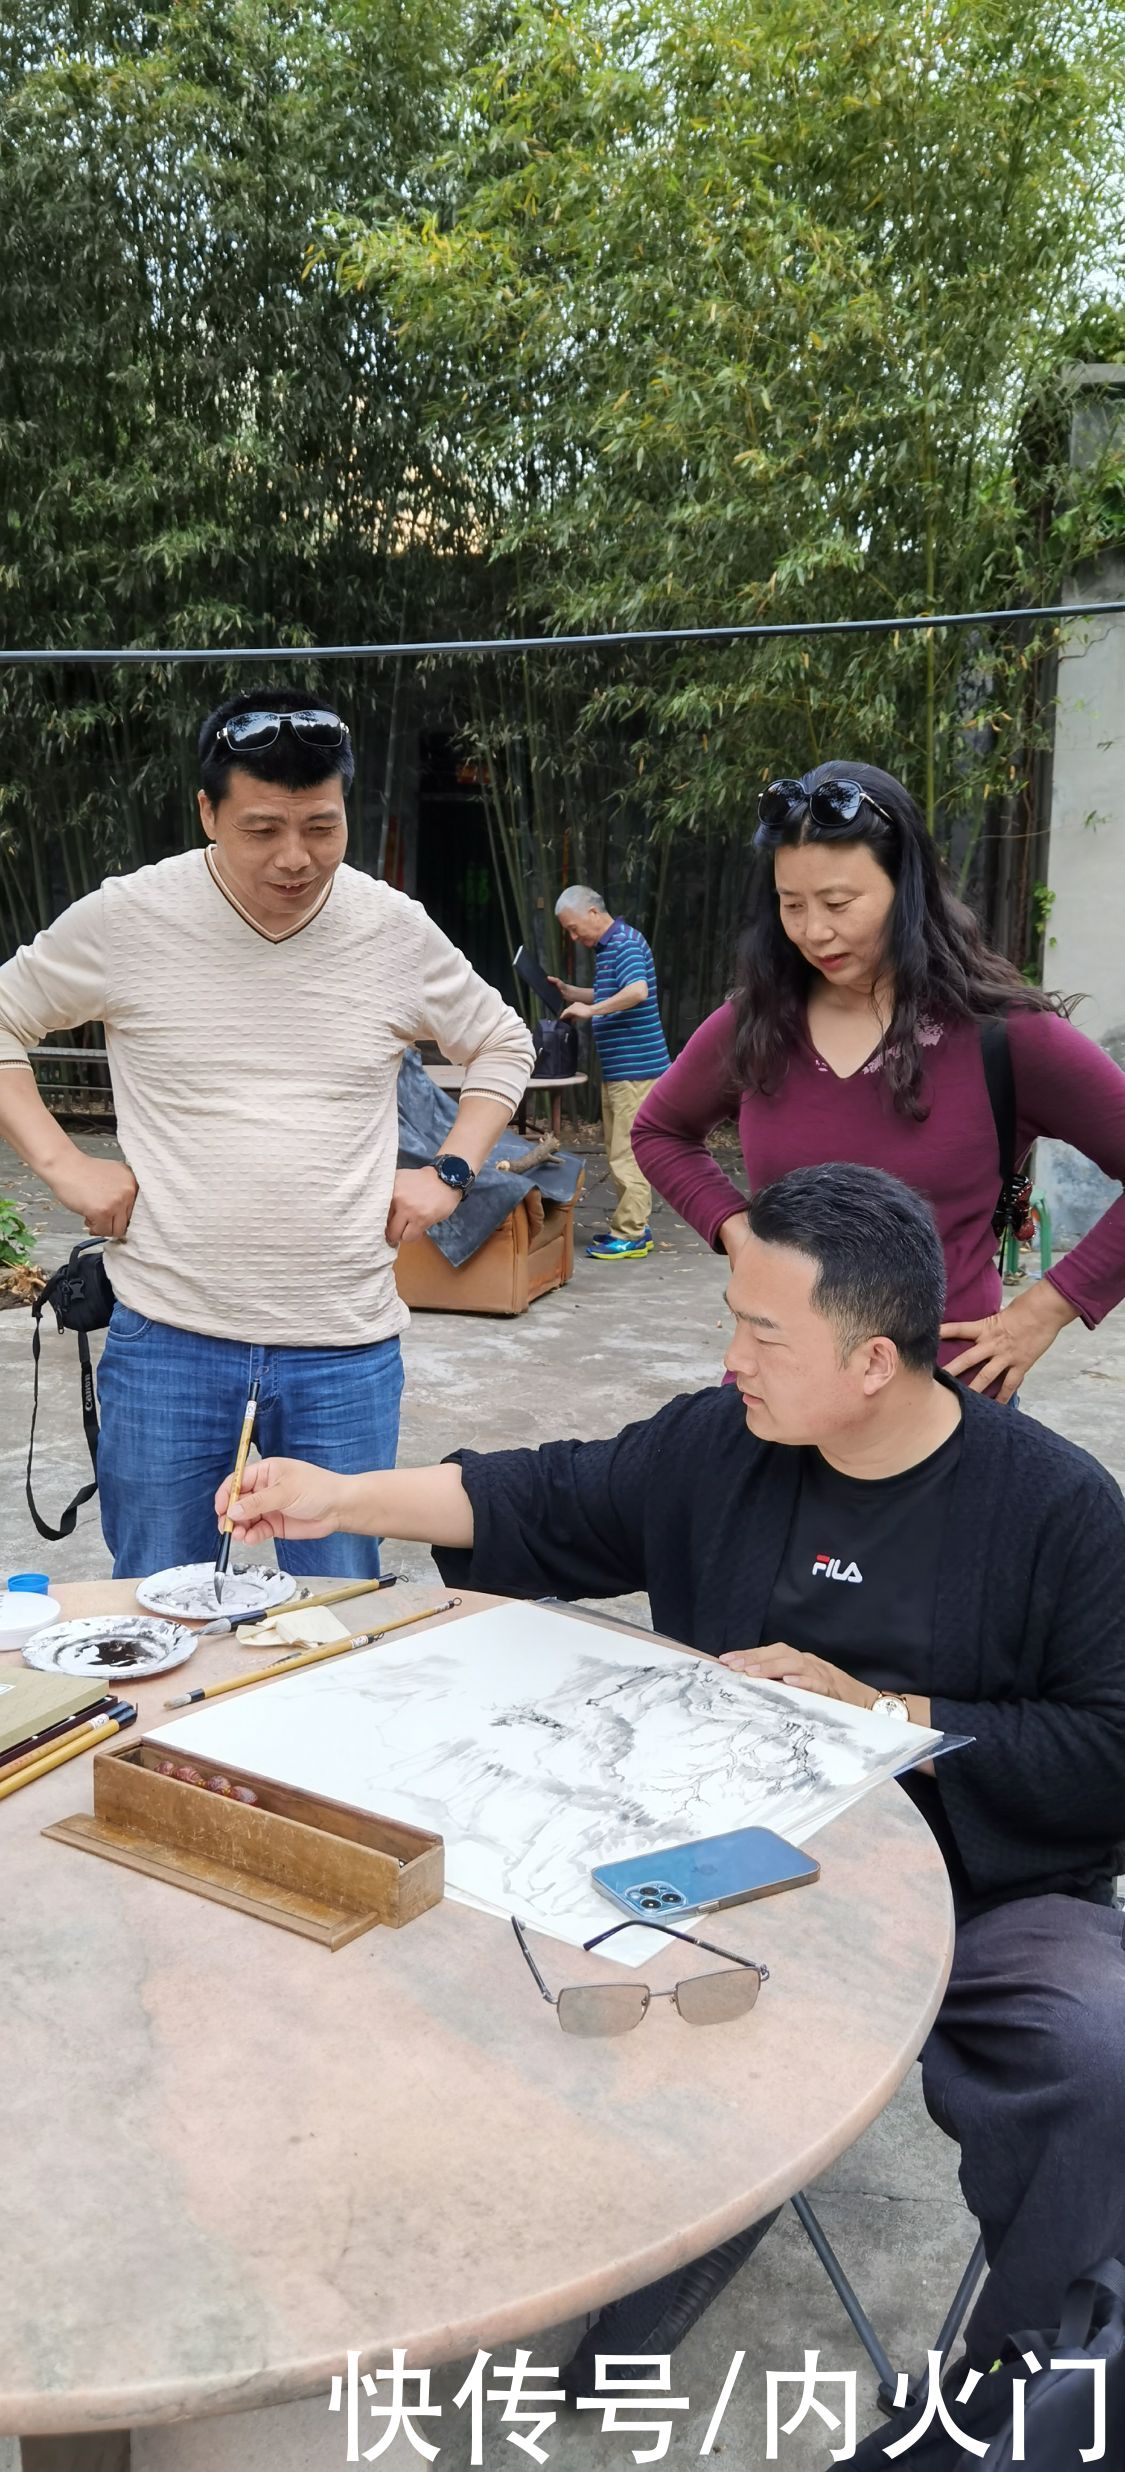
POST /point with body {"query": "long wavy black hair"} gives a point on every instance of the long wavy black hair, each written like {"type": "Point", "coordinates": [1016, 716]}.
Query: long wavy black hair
{"type": "Point", "coordinates": [935, 954]}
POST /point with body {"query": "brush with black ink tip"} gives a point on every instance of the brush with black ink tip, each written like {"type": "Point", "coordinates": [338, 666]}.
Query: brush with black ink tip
{"type": "Point", "coordinates": [226, 1524]}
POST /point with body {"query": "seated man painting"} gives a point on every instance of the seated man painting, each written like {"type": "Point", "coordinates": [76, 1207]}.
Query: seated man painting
{"type": "Point", "coordinates": [844, 1518]}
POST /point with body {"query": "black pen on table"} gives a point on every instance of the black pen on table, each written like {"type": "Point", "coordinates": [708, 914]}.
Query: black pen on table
{"type": "Point", "coordinates": [223, 1556]}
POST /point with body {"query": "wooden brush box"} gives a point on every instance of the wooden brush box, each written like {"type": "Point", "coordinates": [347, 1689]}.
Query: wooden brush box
{"type": "Point", "coordinates": [313, 1866]}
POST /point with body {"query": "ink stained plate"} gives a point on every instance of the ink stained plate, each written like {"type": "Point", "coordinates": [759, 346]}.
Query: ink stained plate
{"type": "Point", "coordinates": [187, 1592]}
{"type": "Point", "coordinates": [125, 1648]}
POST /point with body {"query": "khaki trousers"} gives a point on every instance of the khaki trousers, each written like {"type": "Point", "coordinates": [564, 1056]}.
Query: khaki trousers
{"type": "Point", "coordinates": [620, 1102]}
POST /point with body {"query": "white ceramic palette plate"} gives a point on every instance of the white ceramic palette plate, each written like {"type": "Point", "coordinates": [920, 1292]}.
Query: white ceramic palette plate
{"type": "Point", "coordinates": [123, 1648]}
{"type": "Point", "coordinates": [187, 1592]}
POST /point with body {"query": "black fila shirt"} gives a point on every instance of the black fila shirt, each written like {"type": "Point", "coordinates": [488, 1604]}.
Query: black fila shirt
{"type": "Point", "coordinates": [858, 1585]}
{"type": "Point", "coordinates": [858, 1580]}
{"type": "Point", "coordinates": [1025, 1651]}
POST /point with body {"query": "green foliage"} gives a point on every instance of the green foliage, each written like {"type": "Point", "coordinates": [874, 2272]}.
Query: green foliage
{"type": "Point", "coordinates": [740, 310]}
{"type": "Point", "coordinates": [17, 1239]}
{"type": "Point", "coordinates": [468, 317]}
{"type": "Point", "coordinates": [197, 444]}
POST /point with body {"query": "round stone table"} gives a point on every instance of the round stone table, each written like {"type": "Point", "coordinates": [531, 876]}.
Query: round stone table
{"type": "Point", "coordinates": [230, 2157]}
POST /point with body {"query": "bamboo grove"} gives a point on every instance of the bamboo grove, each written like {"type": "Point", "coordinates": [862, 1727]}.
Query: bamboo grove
{"type": "Point", "coordinates": [375, 320]}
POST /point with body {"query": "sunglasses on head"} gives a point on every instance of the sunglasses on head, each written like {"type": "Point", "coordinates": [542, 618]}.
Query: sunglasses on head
{"type": "Point", "coordinates": [833, 808]}
{"type": "Point", "coordinates": [260, 729]}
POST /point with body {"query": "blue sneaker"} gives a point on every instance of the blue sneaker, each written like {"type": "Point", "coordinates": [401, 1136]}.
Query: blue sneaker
{"type": "Point", "coordinates": [620, 1248]}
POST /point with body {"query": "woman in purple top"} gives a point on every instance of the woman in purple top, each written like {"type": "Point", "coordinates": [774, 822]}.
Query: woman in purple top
{"type": "Point", "coordinates": [854, 1033]}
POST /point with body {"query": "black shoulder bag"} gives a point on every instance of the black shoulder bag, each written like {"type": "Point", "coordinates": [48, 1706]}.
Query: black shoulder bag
{"type": "Point", "coordinates": [1059, 2405]}
{"type": "Point", "coordinates": [81, 1300]}
{"type": "Point", "coordinates": [556, 1050]}
{"type": "Point", "coordinates": [1012, 1214]}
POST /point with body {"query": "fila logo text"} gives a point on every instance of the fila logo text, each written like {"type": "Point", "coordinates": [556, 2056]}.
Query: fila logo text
{"type": "Point", "coordinates": [829, 1566]}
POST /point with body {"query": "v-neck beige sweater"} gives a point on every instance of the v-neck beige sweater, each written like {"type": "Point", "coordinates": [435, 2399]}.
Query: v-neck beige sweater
{"type": "Point", "coordinates": [256, 1088]}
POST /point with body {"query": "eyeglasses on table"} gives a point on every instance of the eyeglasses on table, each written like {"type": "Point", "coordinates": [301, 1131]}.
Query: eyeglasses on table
{"type": "Point", "coordinates": [613, 2008]}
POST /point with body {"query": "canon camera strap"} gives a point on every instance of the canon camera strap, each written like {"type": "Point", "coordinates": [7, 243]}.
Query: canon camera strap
{"type": "Point", "coordinates": [82, 1300]}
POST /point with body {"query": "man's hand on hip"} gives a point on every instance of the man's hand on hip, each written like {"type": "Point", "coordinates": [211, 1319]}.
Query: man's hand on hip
{"type": "Point", "coordinates": [420, 1200]}
{"type": "Point", "coordinates": [103, 1191]}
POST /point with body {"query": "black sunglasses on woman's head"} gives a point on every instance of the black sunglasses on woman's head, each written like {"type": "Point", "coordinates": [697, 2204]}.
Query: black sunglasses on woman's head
{"type": "Point", "coordinates": [833, 809]}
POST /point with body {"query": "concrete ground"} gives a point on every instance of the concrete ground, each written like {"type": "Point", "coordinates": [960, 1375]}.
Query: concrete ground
{"type": "Point", "coordinates": [615, 1344]}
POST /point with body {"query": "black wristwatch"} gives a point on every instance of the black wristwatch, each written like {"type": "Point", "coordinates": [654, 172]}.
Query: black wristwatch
{"type": "Point", "coordinates": [454, 1172]}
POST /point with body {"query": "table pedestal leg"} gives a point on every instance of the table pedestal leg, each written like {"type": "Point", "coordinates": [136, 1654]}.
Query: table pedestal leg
{"type": "Point", "coordinates": [96, 2450]}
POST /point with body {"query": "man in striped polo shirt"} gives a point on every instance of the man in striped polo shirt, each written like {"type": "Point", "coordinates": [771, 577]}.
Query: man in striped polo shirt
{"type": "Point", "coordinates": [631, 1051]}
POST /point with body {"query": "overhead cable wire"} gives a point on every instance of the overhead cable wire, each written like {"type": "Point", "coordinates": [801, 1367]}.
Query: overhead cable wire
{"type": "Point", "coordinates": [758, 631]}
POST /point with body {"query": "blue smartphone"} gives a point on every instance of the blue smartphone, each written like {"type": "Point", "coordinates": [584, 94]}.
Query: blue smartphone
{"type": "Point", "coordinates": [716, 1871]}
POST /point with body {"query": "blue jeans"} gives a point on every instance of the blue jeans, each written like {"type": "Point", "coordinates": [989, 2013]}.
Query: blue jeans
{"type": "Point", "coordinates": [172, 1405]}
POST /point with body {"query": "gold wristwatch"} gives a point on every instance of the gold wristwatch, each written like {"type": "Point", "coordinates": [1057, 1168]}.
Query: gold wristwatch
{"type": "Point", "coordinates": [890, 1704]}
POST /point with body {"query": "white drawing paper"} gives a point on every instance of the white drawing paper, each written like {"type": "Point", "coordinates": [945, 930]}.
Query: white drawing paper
{"type": "Point", "coordinates": [538, 1744]}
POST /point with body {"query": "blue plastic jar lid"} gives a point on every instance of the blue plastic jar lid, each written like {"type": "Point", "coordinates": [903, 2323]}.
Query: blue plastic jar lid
{"type": "Point", "coordinates": [29, 1583]}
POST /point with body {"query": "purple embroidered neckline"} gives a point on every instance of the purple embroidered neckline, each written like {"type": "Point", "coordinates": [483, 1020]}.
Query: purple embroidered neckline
{"type": "Point", "coordinates": [929, 1035]}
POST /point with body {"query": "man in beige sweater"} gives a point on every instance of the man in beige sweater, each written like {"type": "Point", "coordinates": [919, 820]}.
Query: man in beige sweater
{"type": "Point", "coordinates": [257, 997]}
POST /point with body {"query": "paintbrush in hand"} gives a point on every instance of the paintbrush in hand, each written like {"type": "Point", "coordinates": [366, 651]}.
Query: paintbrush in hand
{"type": "Point", "coordinates": [227, 1528]}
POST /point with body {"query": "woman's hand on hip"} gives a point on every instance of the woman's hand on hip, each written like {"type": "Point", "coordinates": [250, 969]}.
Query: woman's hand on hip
{"type": "Point", "coordinates": [734, 1234]}
{"type": "Point", "coordinates": [1005, 1345]}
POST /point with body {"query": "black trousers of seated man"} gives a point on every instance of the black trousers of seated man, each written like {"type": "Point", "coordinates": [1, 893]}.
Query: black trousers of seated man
{"type": "Point", "coordinates": [1025, 2068]}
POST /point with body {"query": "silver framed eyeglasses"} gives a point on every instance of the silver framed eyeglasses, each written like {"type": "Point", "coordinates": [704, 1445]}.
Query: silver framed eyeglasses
{"type": "Point", "coordinates": [613, 2008]}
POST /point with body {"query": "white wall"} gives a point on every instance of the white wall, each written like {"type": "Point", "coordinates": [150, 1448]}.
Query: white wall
{"type": "Point", "coordinates": [1085, 952]}
{"type": "Point", "coordinates": [1086, 871]}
